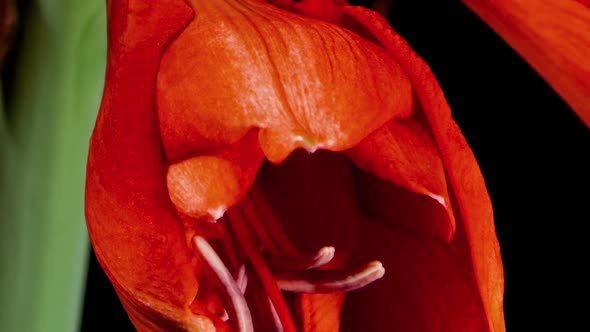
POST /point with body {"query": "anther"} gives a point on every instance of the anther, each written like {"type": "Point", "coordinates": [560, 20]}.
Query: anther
{"type": "Point", "coordinates": [302, 262]}
{"type": "Point", "coordinates": [237, 303]}
{"type": "Point", "coordinates": [317, 281]}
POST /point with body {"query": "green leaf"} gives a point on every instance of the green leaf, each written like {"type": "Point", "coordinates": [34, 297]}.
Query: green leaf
{"type": "Point", "coordinates": [43, 145]}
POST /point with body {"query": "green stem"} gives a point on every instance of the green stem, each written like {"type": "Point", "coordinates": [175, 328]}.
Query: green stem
{"type": "Point", "coordinates": [56, 93]}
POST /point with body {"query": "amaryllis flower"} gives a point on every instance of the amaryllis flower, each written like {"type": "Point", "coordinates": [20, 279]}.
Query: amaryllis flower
{"type": "Point", "coordinates": [288, 166]}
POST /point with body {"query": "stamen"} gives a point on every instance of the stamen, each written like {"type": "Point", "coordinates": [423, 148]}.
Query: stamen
{"type": "Point", "coordinates": [208, 229]}
{"type": "Point", "coordinates": [242, 279]}
{"type": "Point", "coordinates": [302, 262]}
{"type": "Point", "coordinates": [248, 243]}
{"type": "Point", "coordinates": [233, 258]}
{"type": "Point", "coordinates": [251, 229]}
{"type": "Point", "coordinates": [275, 317]}
{"type": "Point", "coordinates": [317, 281]}
{"type": "Point", "coordinates": [267, 217]}
{"type": "Point", "coordinates": [235, 298]}
{"type": "Point", "coordinates": [257, 226]}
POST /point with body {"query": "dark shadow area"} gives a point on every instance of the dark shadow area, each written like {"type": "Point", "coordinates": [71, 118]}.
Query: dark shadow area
{"type": "Point", "coordinates": [532, 150]}
{"type": "Point", "coordinates": [102, 309]}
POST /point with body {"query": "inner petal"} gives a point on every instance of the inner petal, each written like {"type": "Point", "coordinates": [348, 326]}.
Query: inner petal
{"type": "Point", "coordinates": [430, 285]}
{"type": "Point", "coordinates": [322, 196]}
{"type": "Point", "coordinates": [403, 153]}
{"type": "Point", "coordinates": [303, 82]}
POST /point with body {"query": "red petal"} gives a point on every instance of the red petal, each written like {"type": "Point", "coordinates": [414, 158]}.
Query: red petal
{"type": "Point", "coordinates": [303, 82]}
{"type": "Point", "coordinates": [132, 225]}
{"type": "Point", "coordinates": [403, 153]}
{"type": "Point", "coordinates": [428, 285]}
{"type": "Point", "coordinates": [464, 176]}
{"type": "Point", "coordinates": [553, 36]}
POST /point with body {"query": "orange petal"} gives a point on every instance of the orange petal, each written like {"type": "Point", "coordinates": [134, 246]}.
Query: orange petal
{"type": "Point", "coordinates": [465, 179]}
{"type": "Point", "coordinates": [553, 36]}
{"type": "Point", "coordinates": [321, 312]}
{"type": "Point", "coordinates": [205, 186]}
{"type": "Point", "coordinates": [132, 226]}
{"type": "Point", "coordinates": [305, 83]}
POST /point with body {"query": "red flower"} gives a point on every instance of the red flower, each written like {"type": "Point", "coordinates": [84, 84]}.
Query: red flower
{"type": "Point", "coordinates": [202, 203]}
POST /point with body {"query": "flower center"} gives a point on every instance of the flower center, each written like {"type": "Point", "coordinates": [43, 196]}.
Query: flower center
{"type": "Point", "coordinates": [255, 247]}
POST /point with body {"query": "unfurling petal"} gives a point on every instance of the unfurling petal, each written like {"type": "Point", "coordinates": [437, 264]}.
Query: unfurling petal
{"type": "Point", "coordinates": [132, 225]}
{"type": "Point", "coordinates": [465, 179]}
{"type": "Point", "coordinates": [552, 36]}
{"type": "Point", "coordinates": [402, 152]}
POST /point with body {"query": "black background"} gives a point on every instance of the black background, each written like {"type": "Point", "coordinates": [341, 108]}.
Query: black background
{"type": "Point", "coordinates": [533, 152]}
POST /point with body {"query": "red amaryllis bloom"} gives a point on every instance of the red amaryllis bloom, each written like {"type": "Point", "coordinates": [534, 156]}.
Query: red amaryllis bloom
{"type": "Point", "coordinates": [256, 165]}
{"type": "Point", "coordinates": [553, 36]}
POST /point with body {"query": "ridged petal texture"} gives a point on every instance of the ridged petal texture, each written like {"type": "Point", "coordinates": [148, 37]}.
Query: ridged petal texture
{"type": "Point", "coordinates": [302, 82]}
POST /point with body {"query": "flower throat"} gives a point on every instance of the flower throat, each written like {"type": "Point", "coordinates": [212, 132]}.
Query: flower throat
{"type": "Point", "coordinates": [253, 263]}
